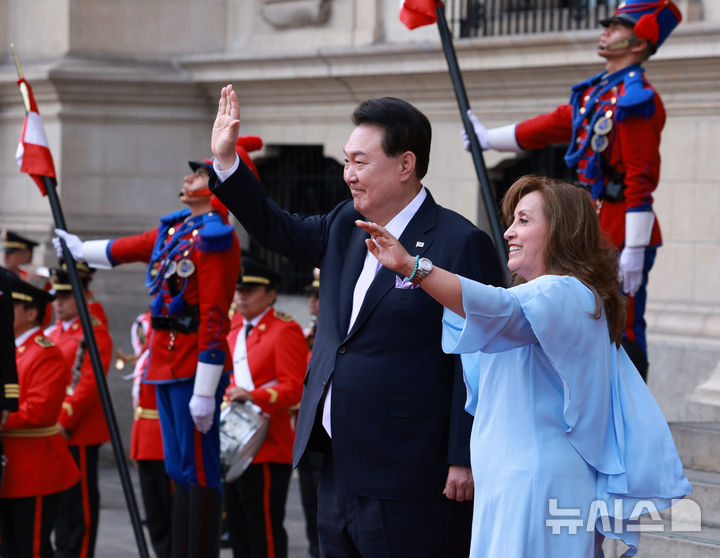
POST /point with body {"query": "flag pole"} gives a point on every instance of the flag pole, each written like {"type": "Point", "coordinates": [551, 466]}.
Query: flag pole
{"type": "Point", "coordinates": [92, 347]}
{"type": "Point", "coordinates": [475, 151]}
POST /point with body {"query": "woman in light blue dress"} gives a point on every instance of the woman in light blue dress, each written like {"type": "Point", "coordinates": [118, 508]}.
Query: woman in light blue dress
{"type": "Point", "coordinates": [568, 445]}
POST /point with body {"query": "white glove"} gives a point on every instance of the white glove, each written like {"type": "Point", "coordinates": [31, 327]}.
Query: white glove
{"type": "Point", "coordinates": [202, 403]}
{"type": "Point", "coordinates": [74, 244]}
{"type": "Point", "coordinates": [630, 270]}
{"type": "Point", "coordinates": [202, 409]}
{"type": "Point", "coordinates": [480, 131]}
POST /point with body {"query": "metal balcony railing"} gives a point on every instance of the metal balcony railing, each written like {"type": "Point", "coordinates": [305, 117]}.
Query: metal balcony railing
{"type": "Point", "coordinates": [484, 18]}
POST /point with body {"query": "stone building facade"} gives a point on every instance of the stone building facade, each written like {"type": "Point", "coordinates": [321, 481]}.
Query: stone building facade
{"type": "Point", "coordinates": [128, 91]}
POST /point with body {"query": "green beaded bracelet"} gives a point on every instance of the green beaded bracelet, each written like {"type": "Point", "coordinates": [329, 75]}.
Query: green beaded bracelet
{"type": "Point", "coordinates": [417, 259]}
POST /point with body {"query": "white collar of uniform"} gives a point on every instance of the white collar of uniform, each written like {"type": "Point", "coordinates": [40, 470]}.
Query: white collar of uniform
{"type": "Point", "coordinates": [397, 224]}
{"type": "Point", "coordinates": [24, 336]}
{"type": "Point", "coordinates": [67, 323]}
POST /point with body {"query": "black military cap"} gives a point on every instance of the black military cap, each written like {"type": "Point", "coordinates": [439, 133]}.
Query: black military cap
{"type": "Point", "coordinates": [13, 241]}
{"type": "Point", "coordinates": [60, 280]}
{"type": "Point", "coordinates": [314, 287]}
{"type": "Point", "coordinates": [22, 291]}
{"type": "Point", "coordinates": [195, 165]}
{"type": "Point", "coordinates": [254, 271]}
{"type": "Point", "coordinates": [84, 270]}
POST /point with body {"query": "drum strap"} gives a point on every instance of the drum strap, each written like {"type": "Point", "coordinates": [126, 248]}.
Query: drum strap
{"type": "Point", "coordinates": [241, 370]}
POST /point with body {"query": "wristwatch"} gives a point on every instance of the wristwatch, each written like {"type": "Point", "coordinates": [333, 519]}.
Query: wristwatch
{"type": "Point", "coordinates": [425, 266]}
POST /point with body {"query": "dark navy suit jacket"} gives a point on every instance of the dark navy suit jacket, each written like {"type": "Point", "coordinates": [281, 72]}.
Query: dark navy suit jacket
{"type": "Point", "coordinates": [397, 412]}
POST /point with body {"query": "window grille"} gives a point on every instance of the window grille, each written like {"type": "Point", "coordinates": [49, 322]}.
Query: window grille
{"type": "Point", "coordinates": [484, 18]}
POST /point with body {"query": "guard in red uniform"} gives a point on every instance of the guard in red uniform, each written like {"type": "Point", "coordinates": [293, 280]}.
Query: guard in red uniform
{"type": "Point", "coordinates": [18, 253]}
{"type": "Point", "coordinates": [269, 361]}
{"type": "Point", "coordinates": [613, 124]}
{"type": "Point", "coordinates": [146, 447]}
{"type": "Point", "coordinates": [87, 274]}
{"type": "Point", "coordinates": [82, 419]}
{"type": "Point", "coordinates": [30, 493]}
{"type": "Point", "coordinates": [194, 258]}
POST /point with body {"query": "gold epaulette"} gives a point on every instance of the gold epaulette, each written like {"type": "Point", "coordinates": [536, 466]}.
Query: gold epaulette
{"type": "Point", "coordinates": [283, 316]}
{"type": "Point", "coordinates": [95, 321]}
{"type": "Point", "coordinates": [44, 342]}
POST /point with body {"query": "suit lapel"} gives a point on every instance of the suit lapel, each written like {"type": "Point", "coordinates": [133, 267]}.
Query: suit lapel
{"type": "Point", "coordinates": [416, 238]}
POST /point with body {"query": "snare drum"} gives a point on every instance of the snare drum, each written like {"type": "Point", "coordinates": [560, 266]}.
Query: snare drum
{"type": "Point", "coordinates": [243, 427]}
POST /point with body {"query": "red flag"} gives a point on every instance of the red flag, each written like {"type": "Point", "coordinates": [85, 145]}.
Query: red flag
{"type": "Point", "coordinates": [33, 154]}
{"type": "Point", "coordinates": [416, 13]}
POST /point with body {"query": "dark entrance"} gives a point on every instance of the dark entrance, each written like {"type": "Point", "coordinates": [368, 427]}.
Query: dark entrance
{"type": "Point", "coordinates": [300, 179]}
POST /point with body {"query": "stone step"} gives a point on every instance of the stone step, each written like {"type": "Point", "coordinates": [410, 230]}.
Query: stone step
{"type": "Point", "coordinates": [698, 444]}
{"type": "Point", "coordinates": [703, 544]}
{"type": "Point", "coordinates": [706, 492]}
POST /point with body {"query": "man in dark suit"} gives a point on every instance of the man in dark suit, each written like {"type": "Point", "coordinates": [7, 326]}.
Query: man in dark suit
{"type": "Point", "coordinates": [381, 399]}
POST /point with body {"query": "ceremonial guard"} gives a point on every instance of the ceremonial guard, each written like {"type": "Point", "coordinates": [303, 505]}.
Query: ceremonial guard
{"type": "Point", "coordinates": [194, 258]}
{"type": "Point", "coordinates": [613, 124]}
{"type": "Point", "coordinates": [39, 464]}
{"type": "Point", "coordinates": [81, 420]}
{"type": "Point", "coordinates": [146, 447]}
{"type": "Point", "coordinates": [269, 362]}
{"type": "Point", "coordinates": [18, 253]}
{"type": "Point", "coordinates": [87, 274]}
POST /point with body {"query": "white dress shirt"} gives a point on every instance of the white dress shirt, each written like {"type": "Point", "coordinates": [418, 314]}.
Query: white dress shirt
{"type": "Point", "coordinates": [396, 226]}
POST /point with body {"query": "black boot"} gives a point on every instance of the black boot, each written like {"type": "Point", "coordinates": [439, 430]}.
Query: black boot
{"type": "Point", "coordinates": [179, 527]}
{"type": "Point", "coordinates": [206, 507]}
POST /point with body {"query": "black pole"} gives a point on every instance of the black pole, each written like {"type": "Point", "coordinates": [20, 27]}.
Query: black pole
{"type": "Point", "coordinates": [92, 348]}
{"type": "Point", "coordinates": [476, 152]}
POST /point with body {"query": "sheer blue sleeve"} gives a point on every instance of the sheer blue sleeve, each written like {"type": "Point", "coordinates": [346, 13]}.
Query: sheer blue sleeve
{"type": "Point", "coordinates": [610, 416]}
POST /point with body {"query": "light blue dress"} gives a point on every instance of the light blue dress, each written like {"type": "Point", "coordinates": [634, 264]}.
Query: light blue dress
{"type": "Point", "coordinates": [566, 437]}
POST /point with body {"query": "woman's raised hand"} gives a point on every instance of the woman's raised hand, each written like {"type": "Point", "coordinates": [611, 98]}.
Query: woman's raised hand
{"type": "Point", "coordinates": [387, 249]}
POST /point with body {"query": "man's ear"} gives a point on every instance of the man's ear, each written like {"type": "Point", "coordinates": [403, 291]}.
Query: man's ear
{"type": "Point", "coordinates": [641, 47]}
{"type": "Point", "coordinates": [407, 165]}
{"type": "Point", "coordinates": [34, 315]}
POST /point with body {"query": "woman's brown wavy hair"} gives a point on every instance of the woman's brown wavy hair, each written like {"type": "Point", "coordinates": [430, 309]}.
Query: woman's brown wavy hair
{"type": "Point", "coordinates": [575, 246]}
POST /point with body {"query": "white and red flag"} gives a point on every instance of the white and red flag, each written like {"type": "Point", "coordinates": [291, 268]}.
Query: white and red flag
{"type": "Point", "coordinates": [416, 13]}
{"type": "Point", "coordinates": [33, 154]}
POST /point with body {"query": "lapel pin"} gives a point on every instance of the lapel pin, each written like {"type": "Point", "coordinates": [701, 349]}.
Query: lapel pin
{"type": "Point", "coordinates": [419, 244]}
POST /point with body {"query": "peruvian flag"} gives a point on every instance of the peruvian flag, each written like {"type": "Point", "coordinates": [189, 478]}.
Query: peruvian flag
{"type": "Point", "coordinates": [33, 154]}
{"type": "Point", "coordinates": [416, 13]}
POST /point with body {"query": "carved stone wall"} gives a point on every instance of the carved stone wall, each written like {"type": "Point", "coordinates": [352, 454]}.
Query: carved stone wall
{"type": "Point", "coordinates": [284, 14]}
